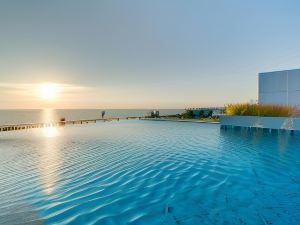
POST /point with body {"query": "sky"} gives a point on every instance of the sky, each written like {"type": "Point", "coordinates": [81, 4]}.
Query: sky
{"type": "Point", "coordinates": [143, 54]}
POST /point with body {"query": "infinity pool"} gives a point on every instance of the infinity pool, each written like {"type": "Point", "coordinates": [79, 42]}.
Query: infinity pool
{"type": "Point", "coordinates": [145, 172]}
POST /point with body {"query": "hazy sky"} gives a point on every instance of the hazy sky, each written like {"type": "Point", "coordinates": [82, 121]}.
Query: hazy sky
{"type": "Point", "coordinates": [143, 54]}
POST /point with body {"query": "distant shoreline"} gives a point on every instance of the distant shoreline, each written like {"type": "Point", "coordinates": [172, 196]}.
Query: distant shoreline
{"type": "Point", "coordinates": [181, 120]}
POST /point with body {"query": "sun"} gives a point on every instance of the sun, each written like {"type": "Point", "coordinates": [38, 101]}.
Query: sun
{"type": "Point", "coordinates": [48, 91]}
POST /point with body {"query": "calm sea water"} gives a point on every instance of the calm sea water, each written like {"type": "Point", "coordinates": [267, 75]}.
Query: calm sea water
{"type": "Point", "coordinates": [147, 172]}
{"type": "Point", "coordinates": [48, 115]}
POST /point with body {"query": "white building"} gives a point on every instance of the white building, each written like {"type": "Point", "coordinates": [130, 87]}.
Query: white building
{"type": "Point", "coordinates": [280, 87]}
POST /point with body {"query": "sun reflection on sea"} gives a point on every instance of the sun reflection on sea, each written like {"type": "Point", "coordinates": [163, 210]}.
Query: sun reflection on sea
{"type": "Point", "coordinates": [50, 132]}
{"type": "Point", "coordinates": [50, 155]}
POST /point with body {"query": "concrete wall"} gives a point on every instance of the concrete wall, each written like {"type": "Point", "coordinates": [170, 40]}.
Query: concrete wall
{"type": "Point", "coordinates": [280, 87]}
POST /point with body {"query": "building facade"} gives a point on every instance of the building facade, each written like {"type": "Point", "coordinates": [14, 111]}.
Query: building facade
{"type": "Point", "coordinates": [280, 88]}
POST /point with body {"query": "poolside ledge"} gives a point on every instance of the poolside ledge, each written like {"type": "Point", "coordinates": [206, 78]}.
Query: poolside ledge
{"type": "Point", "coordinates": [272, 123]}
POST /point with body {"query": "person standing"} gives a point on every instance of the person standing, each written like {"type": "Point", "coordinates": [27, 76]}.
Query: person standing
{"type": "Point", "coordinates": [103, 114]}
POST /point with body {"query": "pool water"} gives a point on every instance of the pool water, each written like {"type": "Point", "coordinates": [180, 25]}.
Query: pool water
{"type": "Point", "coordinates": [147, 172]}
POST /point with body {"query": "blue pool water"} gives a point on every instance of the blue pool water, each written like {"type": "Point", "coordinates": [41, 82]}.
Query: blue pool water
{"type": "Point", "coordinates": [143, 172]}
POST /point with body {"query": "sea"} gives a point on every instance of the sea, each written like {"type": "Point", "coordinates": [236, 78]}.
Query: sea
{"type": "Point", "coordinates": [17, 116]}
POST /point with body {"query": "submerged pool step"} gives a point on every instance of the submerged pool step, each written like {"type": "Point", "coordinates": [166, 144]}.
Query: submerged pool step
{"type": "Point", "coordinates": [290, 125]}
{"type": "Point", "coordinates": [261, 129]}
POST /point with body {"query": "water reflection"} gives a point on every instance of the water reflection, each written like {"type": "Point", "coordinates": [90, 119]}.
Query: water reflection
{"type": "Point", "coordinates": [49, 115]}
{"type": "Point", "coordinates": [50, 132]}
{"type": "Point", "coordinates": [277, 139]}
{"type": "Point", "coordinates": [50, 154]}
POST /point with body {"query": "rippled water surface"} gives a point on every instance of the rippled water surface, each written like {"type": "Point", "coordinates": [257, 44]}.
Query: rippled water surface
{"type": "Point", "coordinates": [143, 172]}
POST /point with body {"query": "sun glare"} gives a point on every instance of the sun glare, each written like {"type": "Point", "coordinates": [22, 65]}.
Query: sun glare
{"type": "Point", "coordinates": [48, 91]}
{"type": "Point", "coordinates": [50, 132]}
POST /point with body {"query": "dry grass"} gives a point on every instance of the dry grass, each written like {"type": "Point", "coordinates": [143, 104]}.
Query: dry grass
{"type": "Point", "coordinates": [246, 109]}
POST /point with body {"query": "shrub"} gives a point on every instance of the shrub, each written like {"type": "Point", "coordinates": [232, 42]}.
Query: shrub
{"type": "Point", "coordinates": [188, 114]}
{"type": "Point", "coordinates": [246, 109]}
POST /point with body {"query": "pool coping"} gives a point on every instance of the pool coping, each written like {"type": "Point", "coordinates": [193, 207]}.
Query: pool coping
{"type": "Point", "coordinates": [180, 120]}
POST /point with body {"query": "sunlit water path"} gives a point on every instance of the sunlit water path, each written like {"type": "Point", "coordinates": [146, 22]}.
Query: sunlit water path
{"type": "Point", "coordinates": [143, 172]}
